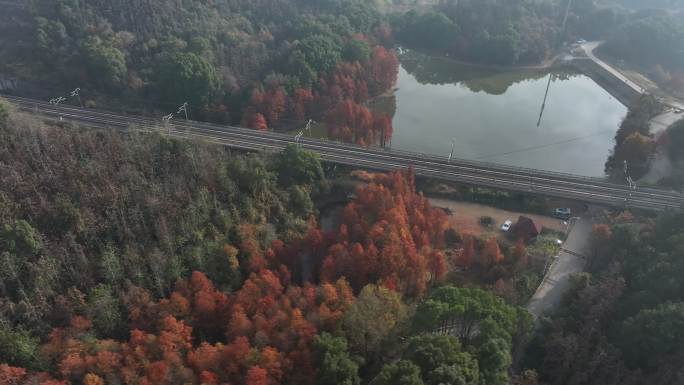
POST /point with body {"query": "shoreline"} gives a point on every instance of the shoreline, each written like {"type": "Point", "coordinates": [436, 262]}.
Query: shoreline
{"type": "Point", "coordinates": [549, 62]}
{"type": "Point", "coordinates": [600, 76]}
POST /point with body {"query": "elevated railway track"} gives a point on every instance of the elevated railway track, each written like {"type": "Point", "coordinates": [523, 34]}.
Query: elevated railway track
{"type": "Point", "coordinates": [585, 189]}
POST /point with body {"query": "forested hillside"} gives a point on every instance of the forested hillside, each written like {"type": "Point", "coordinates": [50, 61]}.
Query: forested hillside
{"type": "Point", "coordinates": [491, 31]}
{"type": "Point", "coordinates": [275, 64]}
{"type": "Point", "coordinates": [634, 142]}
{"type": "Point", "coordinates": [622, 322]}
{"type": "Point", "coordinates": [135, 258]}
{"type": "Point", "coordinates": [263, 64]}
{"type": "Point", "coordinates": [130, 257]}
{"type": "Point", "coordinates": [659, 36]}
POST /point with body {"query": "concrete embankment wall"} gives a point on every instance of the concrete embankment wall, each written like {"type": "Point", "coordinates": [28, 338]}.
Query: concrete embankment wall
{"type": "Point", "coordinates": [616, 87]}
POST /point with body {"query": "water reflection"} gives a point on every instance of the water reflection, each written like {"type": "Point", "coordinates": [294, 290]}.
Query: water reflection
{"type": "Point", "coordinates": [441, 71]}
{"type": "Point", "coordinates": [495, 115]}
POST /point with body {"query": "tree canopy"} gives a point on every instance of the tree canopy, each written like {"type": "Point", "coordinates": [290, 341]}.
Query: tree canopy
{"type": "Point", "coordinates": [105, 62]}
{"type": "Point", "coordinates": [675, 140]}
{"type": "Point", "coordinates": [333, 362]}
{"type": "Point", "coordinates": [442, 360]}
{"type": "Point", "coordinates": [400, 373]}
{"type": "Point", "coordinates": [373, 318]}
{"type": "Point", "coordinates": [491, 31]}
{"type": "Point", "coordinates": [621, 323]}
{"type": "Point", "coordinates": [296, 166]}
{"type": "Point", "coordinates": [186, 77]}
{"type": "Point", "coordinates": [479, 319]}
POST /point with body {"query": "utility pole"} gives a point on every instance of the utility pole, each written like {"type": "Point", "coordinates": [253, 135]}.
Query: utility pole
{"type": "Point", "coordinates": [166, 119]}
{"type": "Point", "coordinates": [183, 108]}
{"type": "Point", "coordinates": [58, 100]}
{"type": "Point", "coordinates": [451, 154]}
{"type": "Point", "coordinates": [630, 182]}
{"type": "Point", "coordinates": [55, 102]}
{"type": "Point", "coordinates": [565, 20]}
{"type": "Point", "coordinates": [546, 95]}
{"type": "Point", "coordinates": [76, 93]}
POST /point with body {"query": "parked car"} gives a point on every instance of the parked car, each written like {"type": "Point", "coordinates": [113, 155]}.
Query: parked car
{"type": "Point", "coordinates": [562, 213]}
{"type": "Point", "coordinates": [506, 225]}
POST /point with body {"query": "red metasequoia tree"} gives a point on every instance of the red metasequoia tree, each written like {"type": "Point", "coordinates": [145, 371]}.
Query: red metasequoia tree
{"type": "Point", "coordinates": [263, 332]}
{"type": "Point", "coordinates": [466, 258]}
{"type": "Point", "coordinates": [389, 235]}
{"type": "Point", "coordinates": [338, 94]}
{"type": "Point", "coordinates": [491, 254]}
{"type": "Point", "coordinates": [260, 335]}
{"type": "Point", "coordinates": [382, 71]}
{"type": "Point", "coordinates": [254, 119]}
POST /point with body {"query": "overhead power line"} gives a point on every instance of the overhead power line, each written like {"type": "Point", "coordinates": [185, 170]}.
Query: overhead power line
{"type": "Point", "coordinates": [605, 132]}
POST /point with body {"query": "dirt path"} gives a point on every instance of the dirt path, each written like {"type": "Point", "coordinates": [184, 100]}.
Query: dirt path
{"type": "Point", "coordinates": [465, 217]}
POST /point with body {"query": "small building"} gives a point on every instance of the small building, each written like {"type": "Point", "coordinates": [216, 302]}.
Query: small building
{"type": "Point", "coordinates": [526, 229]}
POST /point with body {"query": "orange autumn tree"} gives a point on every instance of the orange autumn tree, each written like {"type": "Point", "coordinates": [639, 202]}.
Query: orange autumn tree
{"type": "Point", "coordinates": [270, 103]}
{"type": "Point", "coordinates": [466, 257]}
{"type": "Point", "coordinates": [491, 254]}
{"type": "Point", "coordinates": [338, 95]}
{"type": "Point", "coordinates": [195, 301]}
{"type": "Point", "coordinates": [265, 334]}
{"type": "Point", "coordinates": [382, 70]}
{"type": "Point", "coordinates": [520, 255]}
{"type": "Point", "coordinates": [301, 103]}
{"type": "Point", "coordinates": [388, 235]}
{"type": "Point", "coordinates": [255, 120]}
{"type": "Point", "coordinates": [11, 375]}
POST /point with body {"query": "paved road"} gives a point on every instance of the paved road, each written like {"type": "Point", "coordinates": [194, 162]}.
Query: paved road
{"type": "Point", "coordinates": [571, 260]}
{"type": "Point", "coordinates": [661, 166]}
{"type": "Point", "coordinates": [661, 122]}
{"type": "Point", "coordinates": [585, 189]}
{"type": "Point", "coordinates": [589, 48]}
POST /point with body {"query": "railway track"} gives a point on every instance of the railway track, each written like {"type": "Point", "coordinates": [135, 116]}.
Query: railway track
{"type": "Point", "coordinates": [585, 189]}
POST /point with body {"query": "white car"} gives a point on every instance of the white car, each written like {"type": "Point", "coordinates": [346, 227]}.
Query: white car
{"type": "Point", "coordinates": [506, 225]}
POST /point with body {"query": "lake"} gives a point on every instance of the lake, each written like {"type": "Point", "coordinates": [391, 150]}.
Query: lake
{"type": "Point", "coordinates": [493, 115]}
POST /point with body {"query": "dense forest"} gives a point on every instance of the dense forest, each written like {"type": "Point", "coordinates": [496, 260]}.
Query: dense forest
{"type": "Point", "coordinates": [622, 321]}
{"type": "Point", "coordinates": [275, 64]}
{"type": "Point", "coordinates": [135, 258]}
{"type": "Point", "coordinates": [502, 32]}
{"type": "Point", "coordinates": [491, 31]}
{"type": "Point", "coordinates": [528, 32]}
{"type": "Point", "coordinates": [635, 144]}
{"type": "Point", "coordinates": [266, 64]}
{"type": "Point", "coordinates": [639, 148]}
{"type": "Point", "coordinates": [659, 36]}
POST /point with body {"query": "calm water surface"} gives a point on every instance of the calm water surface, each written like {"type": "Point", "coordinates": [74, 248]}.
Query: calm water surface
{"type": "Point", "coordinates": [493, 115]}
